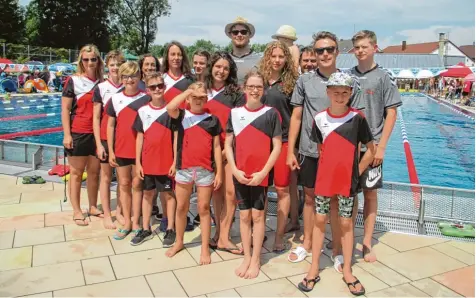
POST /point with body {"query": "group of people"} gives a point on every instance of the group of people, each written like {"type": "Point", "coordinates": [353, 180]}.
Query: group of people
{"type": "Point", "coordinates": [232, 125]}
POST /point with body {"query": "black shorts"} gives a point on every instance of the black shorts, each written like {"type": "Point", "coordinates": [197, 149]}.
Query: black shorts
{"type": "Point", "coordinates": [250, 197]}
{"type": "Point", "coordinates": [124, 162]}
{"type": "Point", "coordinates": [372, 177]}
{"type": "Point", "coordinates": [83, 145]}
{"type": "Point", "coordinates": [161, 183]}
{"type": "Point", "coordinates": [308, 172]}
{"type": "Point", "coordinates": [106, 149]}
{"type": "Point", "coordinates": [465, 93]}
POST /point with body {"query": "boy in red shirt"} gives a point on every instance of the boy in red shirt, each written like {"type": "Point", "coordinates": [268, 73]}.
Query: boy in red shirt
{"type": "Point", "coordinates": [198, 153]}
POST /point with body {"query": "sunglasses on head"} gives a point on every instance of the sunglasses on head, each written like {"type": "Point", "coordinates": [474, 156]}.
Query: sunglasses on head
{"type": "Point", "coordinates": [90, 59]}
{"type": "Point", "coordinates": [243, 32]}
{"type": "Point", "coordinates": [159, 86]}
{"type": "Point", "coordinates": [320, 51]}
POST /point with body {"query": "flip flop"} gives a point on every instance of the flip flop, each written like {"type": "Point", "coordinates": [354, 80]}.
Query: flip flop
{"type": "Point", "coordinates": [304, 287]}
{"type": "Point", "coordinates": [338, 262]}
{"type": "Point", "coordinates": [81, 219]}
{"type": "Point", "coordinates": [99, 215]}
{"type": "Point", "coordinates": [231, 250]}
{"type": "Point", "coordinates": [27, 180]}
{"type": "Point", "coordinates": [123, 232]}
{"type": "Point", "coordinates": [353, 284]}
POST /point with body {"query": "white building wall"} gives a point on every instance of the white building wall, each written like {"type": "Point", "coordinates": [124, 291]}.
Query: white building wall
{"type": "Point", "coordinates": [452, 50]}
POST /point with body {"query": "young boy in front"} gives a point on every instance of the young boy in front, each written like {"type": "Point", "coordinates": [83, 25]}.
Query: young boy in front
{"type": "Point", "coordinates": [252, 146]}
{"type": "Point", "coordinates": [198, 153]}
{"type": "Point", "coordinates": [338, 131]}
{"type": "Point", "coordinates": [155, 163]}
{"type": "Point", "coordinates": [380, 98]}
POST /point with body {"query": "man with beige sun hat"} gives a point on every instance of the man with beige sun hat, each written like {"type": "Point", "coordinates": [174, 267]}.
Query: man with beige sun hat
{"type": "Point", "coordinates": [287, 35]}
{"type": "Point", "coordinates": [240, 31]}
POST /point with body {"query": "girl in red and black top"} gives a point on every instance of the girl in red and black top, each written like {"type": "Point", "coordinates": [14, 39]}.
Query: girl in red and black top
{"type": "Point", "coordinates": [223, 95]}
{"type": "Point", "coordinates": [77, 119]}
{"type": "Point", "coordinates": [101, 98]}
{"type": "Point", "coordinates": [280, 76]}
{"type": "Point", "coordinates": [121, 140]}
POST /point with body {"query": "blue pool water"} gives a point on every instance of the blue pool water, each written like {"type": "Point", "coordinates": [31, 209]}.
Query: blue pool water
{"type": "Point", "coordinates": [442, 141]}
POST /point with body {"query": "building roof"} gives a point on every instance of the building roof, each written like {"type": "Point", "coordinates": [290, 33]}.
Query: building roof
{"type": "Point", "coordinates": [402, 60]}
{"type": "Point", "coordinates": [468, 50]}
{"type": "Point", "coordinates": [345, 45]}
{"type": "Point", "coordinates": [417, 48]}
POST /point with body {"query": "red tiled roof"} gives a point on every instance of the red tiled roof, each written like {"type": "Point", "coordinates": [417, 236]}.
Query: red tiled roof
{"type": "Point", "coordinates": [468, 50]}
{"type": "Point", "coordinates": [417, 48]}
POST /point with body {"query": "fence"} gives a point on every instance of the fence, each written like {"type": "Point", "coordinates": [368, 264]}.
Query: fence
{"type": "Point", "coordinates": [46, 55]}
{"type": "Point", "coordinates": [398, 208]}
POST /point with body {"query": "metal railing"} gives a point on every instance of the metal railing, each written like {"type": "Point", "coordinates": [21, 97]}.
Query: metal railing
{"type": "Point", "coordinates": [31, 155]}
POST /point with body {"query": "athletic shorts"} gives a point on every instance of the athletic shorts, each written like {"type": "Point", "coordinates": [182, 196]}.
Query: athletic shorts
{"type": "Point", "coordinates": [106, 149]}
{"type": "Point", "coordinates": [83, 145]}
{"type": "Point", "coordinates": [282, 172]}
{"type": "Point", "coordinates": [465, 93]}
{"type": "Point", "coordinates": [250, 197]}
{"type": "Point", "coordinates": [346, 205]}
{"type": "Point", "coordinates": [308, 172]}
{"type": "Point", "coordinates": [372, 177]}
{"type": "Point", "coordinates": [198, 175]}
{"type": "Point", "coordinates": [162, 183]}
{"type": "Point", "coordinates": [124, 162]}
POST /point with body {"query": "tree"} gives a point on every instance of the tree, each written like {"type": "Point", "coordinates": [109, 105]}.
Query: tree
{"type": "Point", "coordinates": [135, 21]}
{"type": "Point", "coordinates": [73, 23]}
{"type": "Point", "coordinates": [32, 23]}
{"type": "Point", "coordinates": [11, 21]}
{"type": "Point", "coordinates": [202, 44]}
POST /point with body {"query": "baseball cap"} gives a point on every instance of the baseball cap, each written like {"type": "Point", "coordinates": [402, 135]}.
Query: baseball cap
{"type": "Point", "coordinates": [340, 79]}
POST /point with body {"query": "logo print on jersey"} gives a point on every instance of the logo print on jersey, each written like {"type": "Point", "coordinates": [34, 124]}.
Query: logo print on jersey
{"type": "Point", "coordinates": [374, 176]}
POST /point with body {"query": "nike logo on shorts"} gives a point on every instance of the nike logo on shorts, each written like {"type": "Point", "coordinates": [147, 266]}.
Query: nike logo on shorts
{"type": "Point", "coordinates": [374, 175]}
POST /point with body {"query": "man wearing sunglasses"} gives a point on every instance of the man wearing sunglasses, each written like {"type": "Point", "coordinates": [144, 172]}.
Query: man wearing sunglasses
{"type": "Point", "coordinates": [240, 32]}
{"type": "Point", "coordinates": [309, 98]}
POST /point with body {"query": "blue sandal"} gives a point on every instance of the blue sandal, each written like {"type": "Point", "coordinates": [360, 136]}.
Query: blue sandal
{"type": "Point", "coordinates": [123, 232]}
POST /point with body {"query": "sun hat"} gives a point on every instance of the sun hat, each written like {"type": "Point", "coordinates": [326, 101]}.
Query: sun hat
{"type": "Point", "coordinates": [340, 79]}
{"type": "Point", "coordinates": [240, 21]}
{"type": "Point", "coordinates": [285, 31]}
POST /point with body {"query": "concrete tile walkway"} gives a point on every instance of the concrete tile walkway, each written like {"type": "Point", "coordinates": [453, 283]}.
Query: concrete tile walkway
{"type": "Point", "coordinates": [44, 254]}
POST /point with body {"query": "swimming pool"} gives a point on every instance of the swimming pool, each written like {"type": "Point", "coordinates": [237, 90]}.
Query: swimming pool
{"type": "Point", "coordinates": [442, 141]}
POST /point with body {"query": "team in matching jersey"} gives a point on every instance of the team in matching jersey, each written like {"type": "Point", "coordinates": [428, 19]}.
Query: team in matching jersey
{"type": "Point", "coordinates": [231, 138]}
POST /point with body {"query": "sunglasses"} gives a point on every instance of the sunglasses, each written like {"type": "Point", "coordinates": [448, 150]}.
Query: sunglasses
{"type": "Point", "coordinates": [90, 59]}
{"type": "Point", "coordinates": [159, 86]}
{"type": "Point", "coordinates": [236, 32]}
{"type": "Point", "coordinates": [320, 51]}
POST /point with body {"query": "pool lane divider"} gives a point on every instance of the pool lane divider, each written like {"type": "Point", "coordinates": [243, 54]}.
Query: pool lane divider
{"type": "Point", "coordinates": [35, 132]}
{"type": "Point", "coordinates": [412, 172]}
{"type": "Point", "coordinates": [30, 107]}
{"type": "Point", "coordinates": [26, 117]}
{"type": "Point", "coordinates": [453, 107]}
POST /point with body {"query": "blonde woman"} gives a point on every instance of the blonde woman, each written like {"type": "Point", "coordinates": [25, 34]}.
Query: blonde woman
{"type": "Point", "coordinates": [280, 76]}
{"type": "Point", "coordinates": [102, 94]}
{"type": "Point", "coordinates": [77, 120]}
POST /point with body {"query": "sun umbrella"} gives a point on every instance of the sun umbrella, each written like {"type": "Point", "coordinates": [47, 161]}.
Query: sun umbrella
{"type": "Point", "coordinates": [6, 61]}
{"type": "Point", "coordinates": [406, 74]}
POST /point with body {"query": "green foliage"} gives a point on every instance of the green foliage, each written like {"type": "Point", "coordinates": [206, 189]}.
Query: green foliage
{"type": "Point", "coordinates": [12, 21]}
{"type": "Point", "coordinates": [32, 23]}
{"type": "Point", "coordinates": [134, 22]}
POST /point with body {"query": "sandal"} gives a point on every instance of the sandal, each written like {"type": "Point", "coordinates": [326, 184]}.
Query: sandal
{"type": "Point", "coordinates": [338, 263]}
{"type": "Point", "coordinates": [232, 250]}
{"type": "Point", "coordinates": [85, 223]}
{"type": "Point", "coordinates": [303, 285]}
{"type": "Point", "coordinates": [123, 232]}
{"type": "Point", "coordinates": [353, 284]}
{"type": "Point", "coordinates": [301, 254]}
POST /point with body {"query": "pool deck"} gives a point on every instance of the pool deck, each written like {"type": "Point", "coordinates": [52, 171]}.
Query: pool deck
{"type": "Point", "coordinates": [43, 253]}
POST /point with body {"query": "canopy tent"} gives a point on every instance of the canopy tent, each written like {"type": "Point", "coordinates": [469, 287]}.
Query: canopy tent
{"type": "Point", "coordinates": [7, 85]}
{"type": "Point", "coordinates": [469, 77]}
{"type": "Point", "coordinates": [424, 74]}
{"type": "Point", "coordinates": [6, 61]}
{"type": "Point", "coordinates": [405, 74]}
{"type": "Point", "coordinates": [130, 57]}
{"type": "Point", "coordinates": [457, 71]}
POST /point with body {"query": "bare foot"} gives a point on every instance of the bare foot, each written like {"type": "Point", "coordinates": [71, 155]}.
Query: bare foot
{"type": "Point", "coordinates": [279, 247]}
{"type": "Point", "coordinates": [94, 211]}
{"type": "Point", "coordinates": [177, 247]}
{"type": "Point", "coordinates": [120, 219]}
{"type": "Point", "coordinates": [205, 258]}
{"type": "Point", "coordinates": [253, 270]}
{"type": "Point", "coordinates": [369, 255]}
{"type": "Point", "coordinates": [241, 271]}
{"type": "Point", "coordinates": [229, 247]}
{"type": "Point", "coordinates": [291, 228]}
{"type": "Point", "coordinates": [108, 224]}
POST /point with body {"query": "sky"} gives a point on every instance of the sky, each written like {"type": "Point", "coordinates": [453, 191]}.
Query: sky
{"type": "Point", "coordinates": [393, 21]}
